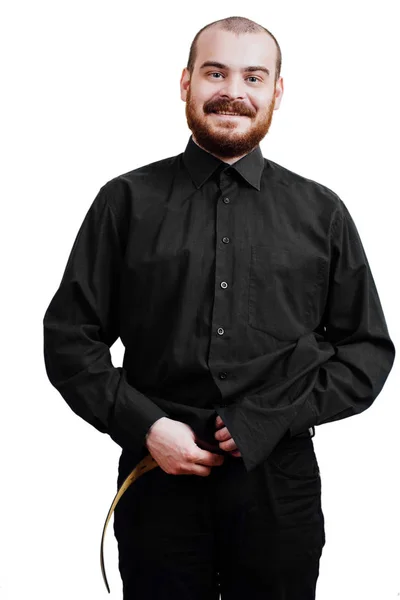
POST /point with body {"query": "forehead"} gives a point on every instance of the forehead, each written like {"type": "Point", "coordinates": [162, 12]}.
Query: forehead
{"type": "Point", "coordinates": [236, 50]}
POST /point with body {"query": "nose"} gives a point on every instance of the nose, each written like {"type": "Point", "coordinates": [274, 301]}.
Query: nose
{"type": "Point", "coordinates": [233, 88]}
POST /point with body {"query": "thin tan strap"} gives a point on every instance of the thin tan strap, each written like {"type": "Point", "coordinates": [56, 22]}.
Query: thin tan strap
{"type": "Point", "coordinates": [146, 464]}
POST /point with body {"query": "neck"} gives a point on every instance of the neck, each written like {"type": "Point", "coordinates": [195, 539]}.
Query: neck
{"type": "Point", "coordinates": [228, 161]}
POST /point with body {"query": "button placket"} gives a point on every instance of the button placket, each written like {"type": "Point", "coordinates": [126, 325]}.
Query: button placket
{"type": "Point", "coordinates": [219, 351]}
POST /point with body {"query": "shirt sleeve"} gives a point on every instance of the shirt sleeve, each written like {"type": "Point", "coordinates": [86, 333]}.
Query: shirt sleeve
{"type": "Point", "coordinates": [356, 353]}
{"type": "Point", "coordinates": [82, 323]}
{"type": "Point", "coordinates": [355, 328]}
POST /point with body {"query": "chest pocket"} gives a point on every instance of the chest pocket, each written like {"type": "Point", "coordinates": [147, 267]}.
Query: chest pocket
{"type": "Point", "coordinates": [283, 290]}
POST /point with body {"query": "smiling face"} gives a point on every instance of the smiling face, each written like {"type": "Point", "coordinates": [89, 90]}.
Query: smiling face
{"type": "Point", "coordinates": [235, 74]}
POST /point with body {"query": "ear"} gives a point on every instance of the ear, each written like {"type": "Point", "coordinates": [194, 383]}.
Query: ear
{"type": "Point", "coordinates": [278, 92]}
{"type": "Point", "coordinates": [185, 83]}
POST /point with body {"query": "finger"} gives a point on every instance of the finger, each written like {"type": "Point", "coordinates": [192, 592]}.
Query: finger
{"type": "Point", "coordinates": [194, 469]}
{"type": "Point", "coordinates": [199, 470]}
{"type": "Point", "coordinates": [236, 453]}
{"type": "Point", "coordinates": [204, 457]}
{"type": "Point", "coordinates": [222, 434]}
{"type": "Point", "coordinates": [219, 422]}
{"type": "Point", "coordinates": [228, 445]}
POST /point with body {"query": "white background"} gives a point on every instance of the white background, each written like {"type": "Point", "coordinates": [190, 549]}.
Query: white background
{"type": "Point", "coordinates": [92, 91]}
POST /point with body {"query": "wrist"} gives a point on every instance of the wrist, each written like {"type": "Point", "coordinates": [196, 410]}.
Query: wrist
{"type": "Point", "coordinates": [151, 428]}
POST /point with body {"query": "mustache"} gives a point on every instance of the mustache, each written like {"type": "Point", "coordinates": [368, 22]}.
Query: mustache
{"type": "Point", "coordinates": [224, 107]}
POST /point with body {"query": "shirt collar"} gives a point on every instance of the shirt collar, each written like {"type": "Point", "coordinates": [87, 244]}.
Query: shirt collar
{"type": "Point", "coordinates": [202, 164]}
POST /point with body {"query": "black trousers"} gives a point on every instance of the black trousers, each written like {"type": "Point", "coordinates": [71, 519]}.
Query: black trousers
{"type": "Point", "coordinates": [229, 535]}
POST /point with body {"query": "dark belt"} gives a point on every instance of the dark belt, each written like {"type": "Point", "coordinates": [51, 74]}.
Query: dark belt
{"type": "Point", "coordinates": [146, 464]}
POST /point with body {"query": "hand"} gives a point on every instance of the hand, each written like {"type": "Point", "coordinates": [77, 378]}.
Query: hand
{"type": "Point", "coordinates": [172, 445]}
{"type": "Point", "coordinates": [226, 441]}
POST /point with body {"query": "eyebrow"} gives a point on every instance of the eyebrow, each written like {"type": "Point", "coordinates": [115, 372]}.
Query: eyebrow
{"type": "Point", "coordinates": [218, 65]}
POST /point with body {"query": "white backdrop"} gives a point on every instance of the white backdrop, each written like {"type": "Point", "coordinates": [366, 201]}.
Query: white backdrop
{"type": "Point", "coordinates": [92, 91]}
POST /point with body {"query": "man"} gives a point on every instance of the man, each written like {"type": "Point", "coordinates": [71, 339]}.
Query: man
{"type": "Point", "coordinates": [249, 315]}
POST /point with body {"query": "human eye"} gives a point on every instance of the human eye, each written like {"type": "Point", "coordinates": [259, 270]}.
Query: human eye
{"type": "Point", "coordinates": [249, 77]}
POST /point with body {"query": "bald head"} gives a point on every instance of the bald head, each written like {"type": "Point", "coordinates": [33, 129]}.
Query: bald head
{"type": "Point", "coordinates": [238, 26]}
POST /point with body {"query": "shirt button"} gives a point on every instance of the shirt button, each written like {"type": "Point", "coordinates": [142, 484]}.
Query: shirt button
{"type": "Point", "coordinates": [222, 375]}
{"type": "Point", "coordinates": [226, 200]}
{"type": "Point", "coordinates": [220, 330]}
{"type": "Point", "coordinates": [224, 284]}
{"type": "Point", "coordinates": [226, 240]}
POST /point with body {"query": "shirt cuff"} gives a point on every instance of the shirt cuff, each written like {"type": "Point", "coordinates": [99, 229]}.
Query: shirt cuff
{"type": "Point", "coordinates": [134, 414]}
{"type": "Point", "coordinates": [305, 419]}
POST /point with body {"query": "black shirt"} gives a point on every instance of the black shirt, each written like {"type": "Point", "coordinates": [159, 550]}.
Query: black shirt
{"type": "Point", "coordinates": [242, 290]}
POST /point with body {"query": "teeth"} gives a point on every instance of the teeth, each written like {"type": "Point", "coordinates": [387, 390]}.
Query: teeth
{"type": "Point", "coordinates": [228, 113]}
